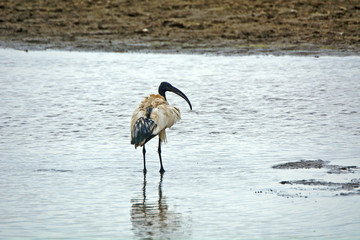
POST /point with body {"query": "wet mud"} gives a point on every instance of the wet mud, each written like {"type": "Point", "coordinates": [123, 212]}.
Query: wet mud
{"type": "Point", "coordinates": [351, 187]}
{"type": "Point", "coordinates": [307, 164]}
{"type": "Point", "coordinates": [348, 186]}
{"type": "Point", "coordinates": [221, 27]}
{"type": "Point", "coordinates": [302, 164]}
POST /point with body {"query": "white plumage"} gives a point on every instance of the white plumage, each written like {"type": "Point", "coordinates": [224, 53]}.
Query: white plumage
{"type": "Point", "coordinates": [160, 112]}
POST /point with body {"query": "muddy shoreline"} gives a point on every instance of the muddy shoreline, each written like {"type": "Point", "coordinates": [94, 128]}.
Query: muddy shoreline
{"type": "Point", "coordinates": [166, 48]}
{"type": "Point", "coordinates": [230, 27]}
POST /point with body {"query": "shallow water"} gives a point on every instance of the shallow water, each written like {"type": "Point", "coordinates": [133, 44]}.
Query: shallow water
{"type": "Point", "coordinates": [67, 169]}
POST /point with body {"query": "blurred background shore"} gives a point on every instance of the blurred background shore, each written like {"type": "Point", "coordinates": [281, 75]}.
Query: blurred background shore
{"type": "Point", "coordinates": [227, 26]}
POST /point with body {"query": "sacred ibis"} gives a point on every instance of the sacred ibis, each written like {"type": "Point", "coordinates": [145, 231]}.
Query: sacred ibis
{"type": "Point", "coordinates": [152, 117]}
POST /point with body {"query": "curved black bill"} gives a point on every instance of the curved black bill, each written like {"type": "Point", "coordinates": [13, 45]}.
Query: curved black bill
{"type": "Point", "coordinates": [181, 94]}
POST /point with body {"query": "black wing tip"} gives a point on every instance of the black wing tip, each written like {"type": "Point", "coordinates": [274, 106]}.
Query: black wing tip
{"type": "Point", "coordinates": [142, 131]}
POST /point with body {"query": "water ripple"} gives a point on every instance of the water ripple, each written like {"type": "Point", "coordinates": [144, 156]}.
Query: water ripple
{"type": "Point", "coordinates": [68, 170]}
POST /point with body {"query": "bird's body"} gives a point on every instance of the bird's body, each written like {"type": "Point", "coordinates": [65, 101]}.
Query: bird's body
{"type": "Point", "coordinates": [152, 117]}
{"type": "Point", "coordinates": [155, 112]}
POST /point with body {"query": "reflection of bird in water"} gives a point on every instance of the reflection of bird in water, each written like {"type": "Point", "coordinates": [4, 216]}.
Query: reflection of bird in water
{"type": "Point", "coordinates": [153, 219]}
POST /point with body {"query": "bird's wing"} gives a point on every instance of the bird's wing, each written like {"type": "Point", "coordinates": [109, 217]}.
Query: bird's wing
{"type": "Point", "coordinates": [142, 128]}
{"type": "Point", "coordinates": [164, 116]}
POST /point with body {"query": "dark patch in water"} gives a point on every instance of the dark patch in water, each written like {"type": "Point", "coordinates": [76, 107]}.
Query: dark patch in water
{"type": "Point", "coordinates": [307, 164]}
{"type": "Point", "coordinates": [353, 184]}
{"type": "Point", "coordinates": [282, 193]}
{"type": "Point", "coordinates": [349, 193]}
{"type": "Point", "coordinates": [336, 169]}
{"type": "Point", "coordinates": [351, 188]}
{"type": "Point", "coordinates": [302, 164]}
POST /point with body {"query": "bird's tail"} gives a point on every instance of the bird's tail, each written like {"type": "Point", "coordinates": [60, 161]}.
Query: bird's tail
{"type": "Point", "coordinates": [142, 131]}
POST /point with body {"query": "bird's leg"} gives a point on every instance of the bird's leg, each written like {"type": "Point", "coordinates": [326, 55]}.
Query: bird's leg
{"type": "Point", "coordinates": [162, 170]}
{"type": "Point", "coordinates": [144, 151]}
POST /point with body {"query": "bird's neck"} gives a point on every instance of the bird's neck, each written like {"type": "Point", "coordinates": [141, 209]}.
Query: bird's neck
{"type": "Point", "coordinates": [162, 93]}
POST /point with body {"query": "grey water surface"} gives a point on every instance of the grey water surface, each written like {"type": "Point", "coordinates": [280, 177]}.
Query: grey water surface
{"type": "Point", "coordinates": [68, 171]}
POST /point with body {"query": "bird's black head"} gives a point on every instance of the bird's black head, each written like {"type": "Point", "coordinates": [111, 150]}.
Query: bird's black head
{"type": "Point", "coordinates": [165, 86]}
